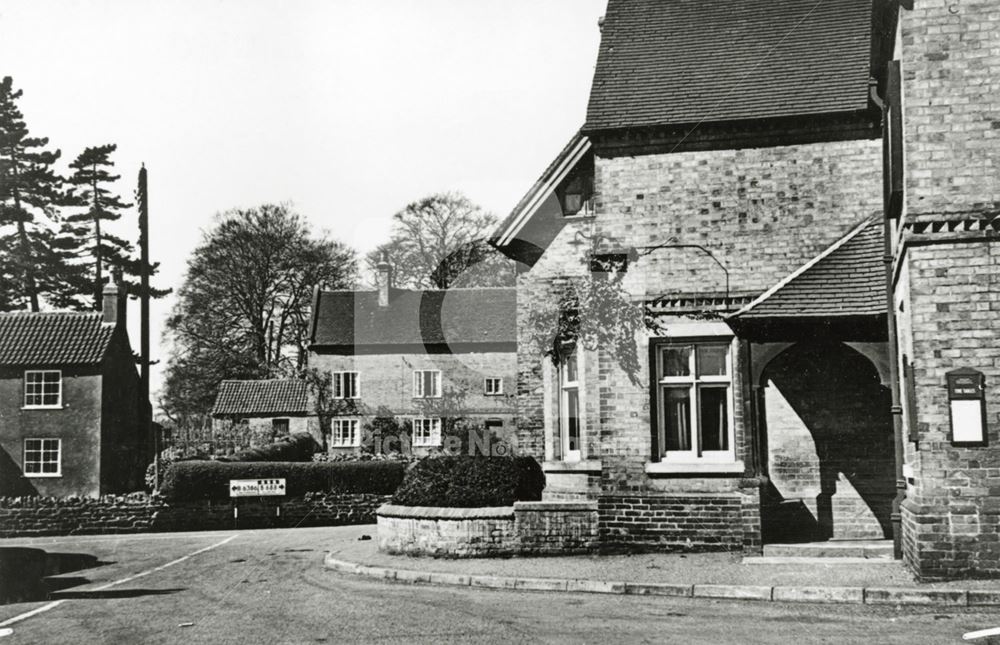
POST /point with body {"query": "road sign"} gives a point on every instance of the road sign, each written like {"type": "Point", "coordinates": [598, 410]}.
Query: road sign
{"type": "Point", "coordinates": [256, 487]}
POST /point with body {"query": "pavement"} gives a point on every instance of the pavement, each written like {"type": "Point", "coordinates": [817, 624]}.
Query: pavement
{"type": "Point", "coordinates": [270, 586]}
{"type": "Point", "coordinates": [692, 575]}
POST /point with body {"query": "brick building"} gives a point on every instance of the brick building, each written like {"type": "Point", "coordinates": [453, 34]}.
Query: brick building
{"type": "Point", "coordinates": [72, 415]}
{"type": "Point", "coordinates": [770, 176]}
{"type": "Point", "coordinates": [424, 358]}
{"type": "Point", "coordinates": [263, 411]}
{"type": "Point", "coordinates": [730, 164]}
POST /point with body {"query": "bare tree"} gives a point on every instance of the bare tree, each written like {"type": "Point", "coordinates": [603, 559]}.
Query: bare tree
{"type": "Point", "coordinates": [438, 242]}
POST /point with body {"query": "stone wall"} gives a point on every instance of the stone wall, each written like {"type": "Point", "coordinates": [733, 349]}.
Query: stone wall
{"type": "Point", "coordinates": [447, 532]}
{"type": "Point", "coordinates": [527, 528]}
{"type": "Point", "coordinates": [21, 517]}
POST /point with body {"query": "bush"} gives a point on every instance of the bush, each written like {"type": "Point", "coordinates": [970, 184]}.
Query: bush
{"type": "Point", "coordinates": [471, 482]}
{"type": "Point", "coordinates": [196, 480]}
{"type": "Point", "coordinates": [298, 446]}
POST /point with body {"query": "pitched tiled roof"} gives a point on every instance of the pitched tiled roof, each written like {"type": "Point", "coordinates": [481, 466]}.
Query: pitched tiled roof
{"type": "Point", "coordinates": [354, 318]}
{"type": "Point", "coordinates": [671, 62]}
{"type": "Point", "coordinates": [53, 338]}
{"type": "Point", "coordinates": [277, 396]}
{"type": "Point", "coordinates": [847, 279]}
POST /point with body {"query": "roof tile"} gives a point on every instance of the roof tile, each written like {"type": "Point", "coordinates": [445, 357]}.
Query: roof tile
{"type": "Point", "coordinates": [53, 338]}
{"type": "Point", "coordinates": [276, 396]}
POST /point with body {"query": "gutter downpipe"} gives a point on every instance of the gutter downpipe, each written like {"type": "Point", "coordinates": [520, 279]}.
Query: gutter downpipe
{"type": "Point", "coordinates": [896, 516]}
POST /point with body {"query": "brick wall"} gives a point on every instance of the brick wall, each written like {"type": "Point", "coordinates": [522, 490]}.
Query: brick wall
{"type": "Point", "coordinates": [946, 294]}
{"type": "Point", "coordinates": [386, 382]}
{"type": "Point", "coordinates": [830, 448]}
{"type": "Point", "coordinates": [675, 522]}
{"type": "Point", "coordinates": [951, 96]}
{"type": "Point", "coordinates": [556, 528]}
{"type": "Point", "coordinates": [139, 514]}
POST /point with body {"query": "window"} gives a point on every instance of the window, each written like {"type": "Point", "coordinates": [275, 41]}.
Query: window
{"type": "Point", "coordinates": [426, 384]}
{"type": "Point", "coordinates": [426, 432]}
{"type": "Point", "coordinates": [694, 401]}
{"type": "Point", "coordinates": [493, 386]}
{"type": "Point", "coordinates": [279, 427]}
{"type": "Point", "coordinates": [569, 406]}
{"type": "Point", "coordinates": [43, 389]}
{"type": "Point", "coordinates": [345, 385]}
{"type": "Point", "coordinates": [345, 433]}
{"type": "Point", "coordinates": [42, 457]}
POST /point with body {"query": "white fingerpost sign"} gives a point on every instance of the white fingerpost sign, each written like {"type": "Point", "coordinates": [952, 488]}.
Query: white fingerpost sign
{"type": "Point", "coordinates": [256, 487]}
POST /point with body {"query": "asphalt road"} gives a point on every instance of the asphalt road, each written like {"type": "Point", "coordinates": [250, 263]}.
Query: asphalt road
{"type": "Point", "coordinates": [270, 587]}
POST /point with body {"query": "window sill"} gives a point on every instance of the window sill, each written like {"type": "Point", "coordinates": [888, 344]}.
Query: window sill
{"type": "Point", "coordinates": [44, 407]}
{"type": "Point", "coordinates": [42, 475]}
{"type": "Point", "coordinates": [584, 466]}
{"type": "Point", "coordinates": [695, 468]}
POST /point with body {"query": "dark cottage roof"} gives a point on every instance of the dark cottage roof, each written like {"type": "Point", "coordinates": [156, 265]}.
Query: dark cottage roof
{"type": "Point", "coordinates": [56, 338]}
{"type": "Point", "coordinates": [277, 396]}
{"type": "Point", "coordinates": [847, 279]}
{"type": "Point", "coordinates": [453, 316]}
{"type": "Point", "coordinates": [671, 62]}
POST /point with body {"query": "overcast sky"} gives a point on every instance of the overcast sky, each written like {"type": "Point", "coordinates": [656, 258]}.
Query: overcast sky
{"type": "Point", "coordinates": [348, 109]}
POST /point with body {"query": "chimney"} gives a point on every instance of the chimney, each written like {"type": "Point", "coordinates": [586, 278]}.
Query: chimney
{"type": "Point", "coordinates": [114, 305]}
{"type": "Point", "coordinates": [384, 280]}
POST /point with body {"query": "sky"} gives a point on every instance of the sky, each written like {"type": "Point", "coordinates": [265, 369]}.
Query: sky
{"type": "Point", "coordinates": [349, 110]}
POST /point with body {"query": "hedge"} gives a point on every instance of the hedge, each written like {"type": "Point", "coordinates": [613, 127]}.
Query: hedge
{"type": "Point", "coordinates": [471, 482]}
{"type": "Point", "coordinates": [299, 446]}
{"type": "Point", "coordinates": [194, 480]}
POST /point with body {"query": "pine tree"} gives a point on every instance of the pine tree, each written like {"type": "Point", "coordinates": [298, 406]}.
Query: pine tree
{"type": "Point", "coordinates": [31, 244]}
{"type": "Point", "coordinates": [91, 181]}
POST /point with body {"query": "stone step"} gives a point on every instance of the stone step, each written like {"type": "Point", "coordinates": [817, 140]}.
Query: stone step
{"type": "Point", "coordinates": [871, 549]}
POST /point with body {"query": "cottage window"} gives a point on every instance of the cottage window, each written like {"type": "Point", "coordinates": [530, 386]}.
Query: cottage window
{"type": "Point", "coordinates": [426, 384]}
{"type": "Point", "coordinates": [570, 421]}
{"type": "Point", "coordinates": [493, 386]}
{"type": "Point", "coordinates": [345, 385]}
{"type": "Point", "coordinates": [279, 427]}
{"type": "Point", "coordinates": [42, 457]}
{"type": "Point", "coordinates": [345, 433]}
{"type": "Point", "coordinates": [426, 432]}
{"type": "Point", "coordinates": [43, 389]}
{"type": "Point", "coordinates": [693, 401]}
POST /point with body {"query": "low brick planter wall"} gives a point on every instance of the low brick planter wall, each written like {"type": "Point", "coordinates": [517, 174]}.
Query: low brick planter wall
{"type": "Point", "coordinates": [35, 516]}
{"type": "Point", "coordinates": [535, 528]}
{"type": "Point", "coordinates": [556, 527]}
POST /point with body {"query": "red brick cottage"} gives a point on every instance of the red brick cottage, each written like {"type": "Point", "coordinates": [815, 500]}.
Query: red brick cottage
{"type": "Point", "coordinates": [425, 357]}
{"type": "Point", "coordinates": [731, 157]}
{"type": "Point", "coordinates": [71, 409]}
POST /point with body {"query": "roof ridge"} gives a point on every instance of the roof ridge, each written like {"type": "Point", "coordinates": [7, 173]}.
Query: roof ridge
{"type": "Point", "coordinates": [805, 267]}
{"type": "Point", "coordinates": [28, 314]}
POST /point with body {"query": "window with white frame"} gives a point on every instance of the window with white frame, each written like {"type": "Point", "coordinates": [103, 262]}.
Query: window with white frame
{"type": "Point", "coordinates": [42, 389]}
{"type": "Point", "coordinates": [345, 385]}
{"type": "Point", "coordinates": [42, 457]}
{"type": "Point", "coordinates": [493, 386]}
{"type": "Point", "coordinates": [570, 421]}
{"type": "Point", "coordinates": [426, 384]}
{"type": "Point", "coordinates": [694, 401]}
{"type": "Point", "coordinates": [345, 433]}
{"type": "Point", "coordinates": [426, 431]}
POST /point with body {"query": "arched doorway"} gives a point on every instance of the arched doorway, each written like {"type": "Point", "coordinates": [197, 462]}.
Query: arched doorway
{"type": "Point", "coordinates": [829, 446]}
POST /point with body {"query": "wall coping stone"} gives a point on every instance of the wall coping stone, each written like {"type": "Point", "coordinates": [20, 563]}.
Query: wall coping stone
{"type": "Point", "coordinates": [557, 505]}
{"type": "Point", "coordinates": [445, 513]}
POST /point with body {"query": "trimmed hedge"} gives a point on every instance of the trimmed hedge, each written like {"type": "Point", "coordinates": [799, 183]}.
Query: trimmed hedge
{"type": "Point", "coordinates": [195, 480]}
{"type": "Point", "coordinates": [299, 446]}
{"type": "Point", "coordinates": [471, 482]}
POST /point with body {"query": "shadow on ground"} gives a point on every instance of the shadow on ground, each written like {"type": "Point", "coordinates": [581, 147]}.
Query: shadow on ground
{"type": "Point", "coordinates": [28, 574]}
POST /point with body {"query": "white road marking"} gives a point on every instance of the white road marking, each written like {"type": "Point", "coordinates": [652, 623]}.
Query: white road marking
{"type": "Point", "coordinates": [982, 633]}
{"type": "Point", "coordinates": [56, 603]}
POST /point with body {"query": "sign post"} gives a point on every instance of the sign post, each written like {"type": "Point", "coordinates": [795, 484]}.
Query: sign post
{"type": "Point", "coordinates": [256, 487]}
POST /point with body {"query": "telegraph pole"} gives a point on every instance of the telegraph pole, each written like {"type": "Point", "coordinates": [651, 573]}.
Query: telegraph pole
{"type": "Point", "coordinates": [144, 358]}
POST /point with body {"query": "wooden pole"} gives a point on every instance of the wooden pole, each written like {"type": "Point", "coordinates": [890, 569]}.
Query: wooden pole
{"type": "Point", "coordinates": [144, 358]}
